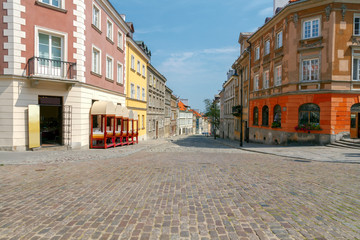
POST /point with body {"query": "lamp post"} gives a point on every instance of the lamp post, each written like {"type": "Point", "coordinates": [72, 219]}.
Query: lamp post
{"type": "Point", "coordinates": [241, 108]}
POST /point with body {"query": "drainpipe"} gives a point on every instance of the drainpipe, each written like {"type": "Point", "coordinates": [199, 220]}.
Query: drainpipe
{"type": "Point", "coordinates": [241, 109]}
{"type": "Point", "coordinates": [249, 76]}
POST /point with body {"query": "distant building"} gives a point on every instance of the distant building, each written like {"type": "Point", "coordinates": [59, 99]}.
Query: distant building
{"type": "Point", "coordinates": [185, 118]}
{"type": "Point", "coordinates": [168, 93]}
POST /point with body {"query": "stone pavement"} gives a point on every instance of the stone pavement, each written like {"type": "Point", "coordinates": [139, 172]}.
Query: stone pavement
{"type": "Point", "coordinates": [311, 153]}
{"type": "Point", "coordinates": [188, 188]}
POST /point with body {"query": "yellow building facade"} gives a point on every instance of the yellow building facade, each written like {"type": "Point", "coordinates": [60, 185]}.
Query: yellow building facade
{"type": "Point", "coordinates": [137, 59]}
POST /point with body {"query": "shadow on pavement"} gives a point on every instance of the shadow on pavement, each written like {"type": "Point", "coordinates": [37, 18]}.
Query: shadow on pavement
{"type": "Point", "coordinates": [354, 155]}
{"type": "Point", "coordinates": [199, 141]}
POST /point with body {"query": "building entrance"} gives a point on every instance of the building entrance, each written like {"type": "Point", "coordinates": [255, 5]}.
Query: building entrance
{"type": "Point", "coordinates": [355, 121]}
{"type": "Point", "coordinates": [50, 121]}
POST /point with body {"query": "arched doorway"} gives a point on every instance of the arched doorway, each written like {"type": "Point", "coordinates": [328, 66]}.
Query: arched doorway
{"type": "Point", "coordinates": [355, 121]}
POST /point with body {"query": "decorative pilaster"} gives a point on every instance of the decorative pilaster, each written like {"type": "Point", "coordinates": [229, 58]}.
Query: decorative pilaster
{"type": "Point", "coordinates": [15, 35]}
{"type": "Point", "coordinates": [79, 34]}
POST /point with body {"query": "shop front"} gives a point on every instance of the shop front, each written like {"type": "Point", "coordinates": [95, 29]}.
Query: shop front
{"type": "Point", "coordinates": [355, 121]}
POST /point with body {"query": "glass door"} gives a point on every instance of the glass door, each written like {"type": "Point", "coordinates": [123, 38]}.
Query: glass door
{"type": "Point", "coordinates": [50, 53]}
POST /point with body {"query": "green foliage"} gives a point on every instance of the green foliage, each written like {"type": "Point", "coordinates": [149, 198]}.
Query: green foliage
{"type": "Point", "coordinates": [276, 125]}
{"type": "Point", "coordinates": [212, 112]}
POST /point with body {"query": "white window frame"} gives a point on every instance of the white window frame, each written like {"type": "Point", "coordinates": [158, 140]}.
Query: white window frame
{"type": "Point", "coordinates": [143, 70]}
{"type": "Point", "coordinates": [62, 35]}
{"type": "Point", "coordinates": [110, 34]}
{"type": "Point", "coordinates": [132, 62]}
{"type": "Point", "coordinates": [61, 2]}
{"type": "Point", "coordinates": [266, 79]}
{"type": "Point", "coordinates": [277, 77]}
{"type": "Point", "coordinates": [132, 91]}
{"type": "Point", "coordinates": [138, 66]}
{"type": "Point", "coordinates": [311, 27]}
{"type": "Point", "coordinates": [138, 92]}
{"type": "Point", "coordinates": [150, 80]}
{"type": "Point", "coordinates": [98, 24]}
{"type": "Point", "coordinates": [256, 82]}
{"type": "Point", "coordinates": [356, 15]}
{"type": "Point", "coordinates": [353, 69]}
{"type": "Point", "coordinates": [310, 72]}
{"type": "Point", "coordinates": [109, 71]}
{"type": "Point", "coordinates": [279, 39]}
{"type": "Point", "coordinates": [143, 94]}
{"type": "Point", "coordinates": [257, 53]}
{"type": "Point", "coordinates": [120, 74]}
{"type": "Point", "coordinates": [267, 47]}
{"type": "Point", "coordinates": [120, 40]}
{"type": "Point", "coordinates": [99, 60]}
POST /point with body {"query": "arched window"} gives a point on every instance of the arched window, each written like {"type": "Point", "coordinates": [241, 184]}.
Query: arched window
{"type": "Point", "coordinates": [309, 113]}
{"type": "Point", "coordinates": [256, 116]}
{"type": "Point", "coordinates": [277, 116]}
{"type": "Point", "coordinates": [265, 116]}
{"type": "Point", "coordinates": [355, 107]}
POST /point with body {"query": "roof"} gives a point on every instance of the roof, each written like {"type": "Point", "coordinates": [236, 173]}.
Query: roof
{"type": "Point", "coordinates": [182, 106]}
{"type": "Point", "coordinates": [196, 113]}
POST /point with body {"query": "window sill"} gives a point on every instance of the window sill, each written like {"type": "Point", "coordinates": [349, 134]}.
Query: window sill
{"type": "Point", "coordinates": [132, 69]}
{"type": "Point", "coordinates": [120, 84]}
{"type": "Point", "coordinates": [96, 74]}
{"type": "Point", "coordinates": [311, 39]}
{"type": "Point", "coordinates": [120, 49]}
{"type": "Point", "coordinates": [96, 28]}
{"type": "Point", "coordinates": [109, 80]}
{"type": "Point", "coordinates": [41, 4]}
{"type": "Point", "coordinates": [109, 40]}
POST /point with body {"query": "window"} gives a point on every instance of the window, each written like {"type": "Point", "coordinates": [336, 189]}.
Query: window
{"type": "Point", "coordinates": [150, 80]}
{"type": "Point", "coordinates": [143, 94]}
{"type": "Point", "coordinates": [278, 75]}
{"type": "Point", "coordinates": [256, 116]}
{"type": "Point", "coordinates": [138, 66]}
{"type": "Point", "coordinates": [96, 61]}
{"type": "Point", "coordinates": [138, 93]}
{"type": "Point", "coordinates": [279, 39]}
{"type": "Point", "coordinates": [132, 91]}
{"type": "Point", "coordinates": [356, 65]}
{"type": "Point", "coordinates": [267, 47]}
{"type": "Point", "coordinates": [120, 74]}
{"type": "Point", "coordinates": [96, 17]}
{"type": "Point", "coordinates": [132, 62]}
{"type": "Point", "coordinates": [266, 80]}
{"type": "Point", "coordinates": [265, 116]}
{"type": "Point", "coordinates": [50, 47]}
{"type": "Point", "coordinates": [311, 28]}
{"type": "Point", "coordinates": [310, 70]}
{"type": "Point", "coordinates": [109, 30]}
{"type": "Point", "coordinates": [109, 67]}
{"type": "Point", "coordinates": [257, 53]}
{"type": "Point", "coordinates": [277, 115]}
{"type": "Point", "coordinates": [357, 25]}
{"type": "Point", "coordinates": [245, 98]}
{"type": "Point", "coordinates": [356, 68]}
{"type": "Point", "coordinates": [143, 122]}
{"type": "Point", "coordinates": [143, 70]}
{"type": "Point", "coordinates": [120, 40]}
{"type": "Point", "coordinates": [256, 83]}
{"type": "Point", "coordinates": [309, 113]}
{"type": "Point", "coordinates": [55, 3]}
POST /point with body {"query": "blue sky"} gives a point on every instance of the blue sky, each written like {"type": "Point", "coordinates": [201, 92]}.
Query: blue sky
{"type": "Point", "coordinates": [194, 42]}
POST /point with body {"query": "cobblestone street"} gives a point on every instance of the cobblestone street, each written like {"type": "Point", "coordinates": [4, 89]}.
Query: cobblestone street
{"type": "Point", "coordinates": [188, 188]}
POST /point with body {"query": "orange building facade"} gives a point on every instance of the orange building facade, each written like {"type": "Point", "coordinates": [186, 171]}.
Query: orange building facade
{"type": "Point", "coordinates": [305, 74]}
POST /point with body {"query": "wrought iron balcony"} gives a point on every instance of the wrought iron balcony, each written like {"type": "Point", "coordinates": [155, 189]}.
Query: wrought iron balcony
{"type": "Point", "coordinates": [43, 67]}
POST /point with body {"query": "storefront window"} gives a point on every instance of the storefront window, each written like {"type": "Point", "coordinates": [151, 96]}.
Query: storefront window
{"type": "Point", "coordinates": [309, 114]}
{"type": "Point", "coordinates": [256, 116]}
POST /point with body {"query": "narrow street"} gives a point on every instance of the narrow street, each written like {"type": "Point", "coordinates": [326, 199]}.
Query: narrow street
{"type": "Point", "coordinates": [187, 188]}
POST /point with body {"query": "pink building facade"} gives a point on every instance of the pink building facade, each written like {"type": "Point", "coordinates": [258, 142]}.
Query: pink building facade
{"type": "Point", "coordinates": [59, 55]}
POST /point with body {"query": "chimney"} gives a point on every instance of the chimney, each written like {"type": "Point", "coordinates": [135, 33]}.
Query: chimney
{"type": "Point", "coordinates": [279, 4]}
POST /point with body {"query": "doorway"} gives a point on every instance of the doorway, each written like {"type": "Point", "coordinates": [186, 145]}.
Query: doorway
{"type": "Point", "coordinates": [355, 121]}
{"type": "Point", "coordinates": [51, 111]}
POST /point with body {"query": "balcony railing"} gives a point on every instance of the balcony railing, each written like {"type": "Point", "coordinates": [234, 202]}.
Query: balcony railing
{"type": "Point", "coordinates": [43, 67]}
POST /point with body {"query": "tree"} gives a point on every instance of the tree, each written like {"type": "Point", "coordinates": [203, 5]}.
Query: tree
{"type": "Point", "coordinates": [212, 111]}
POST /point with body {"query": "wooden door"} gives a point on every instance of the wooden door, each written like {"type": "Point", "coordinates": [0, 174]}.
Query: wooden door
{"type": "Point", "coordinates": [354, 125]}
